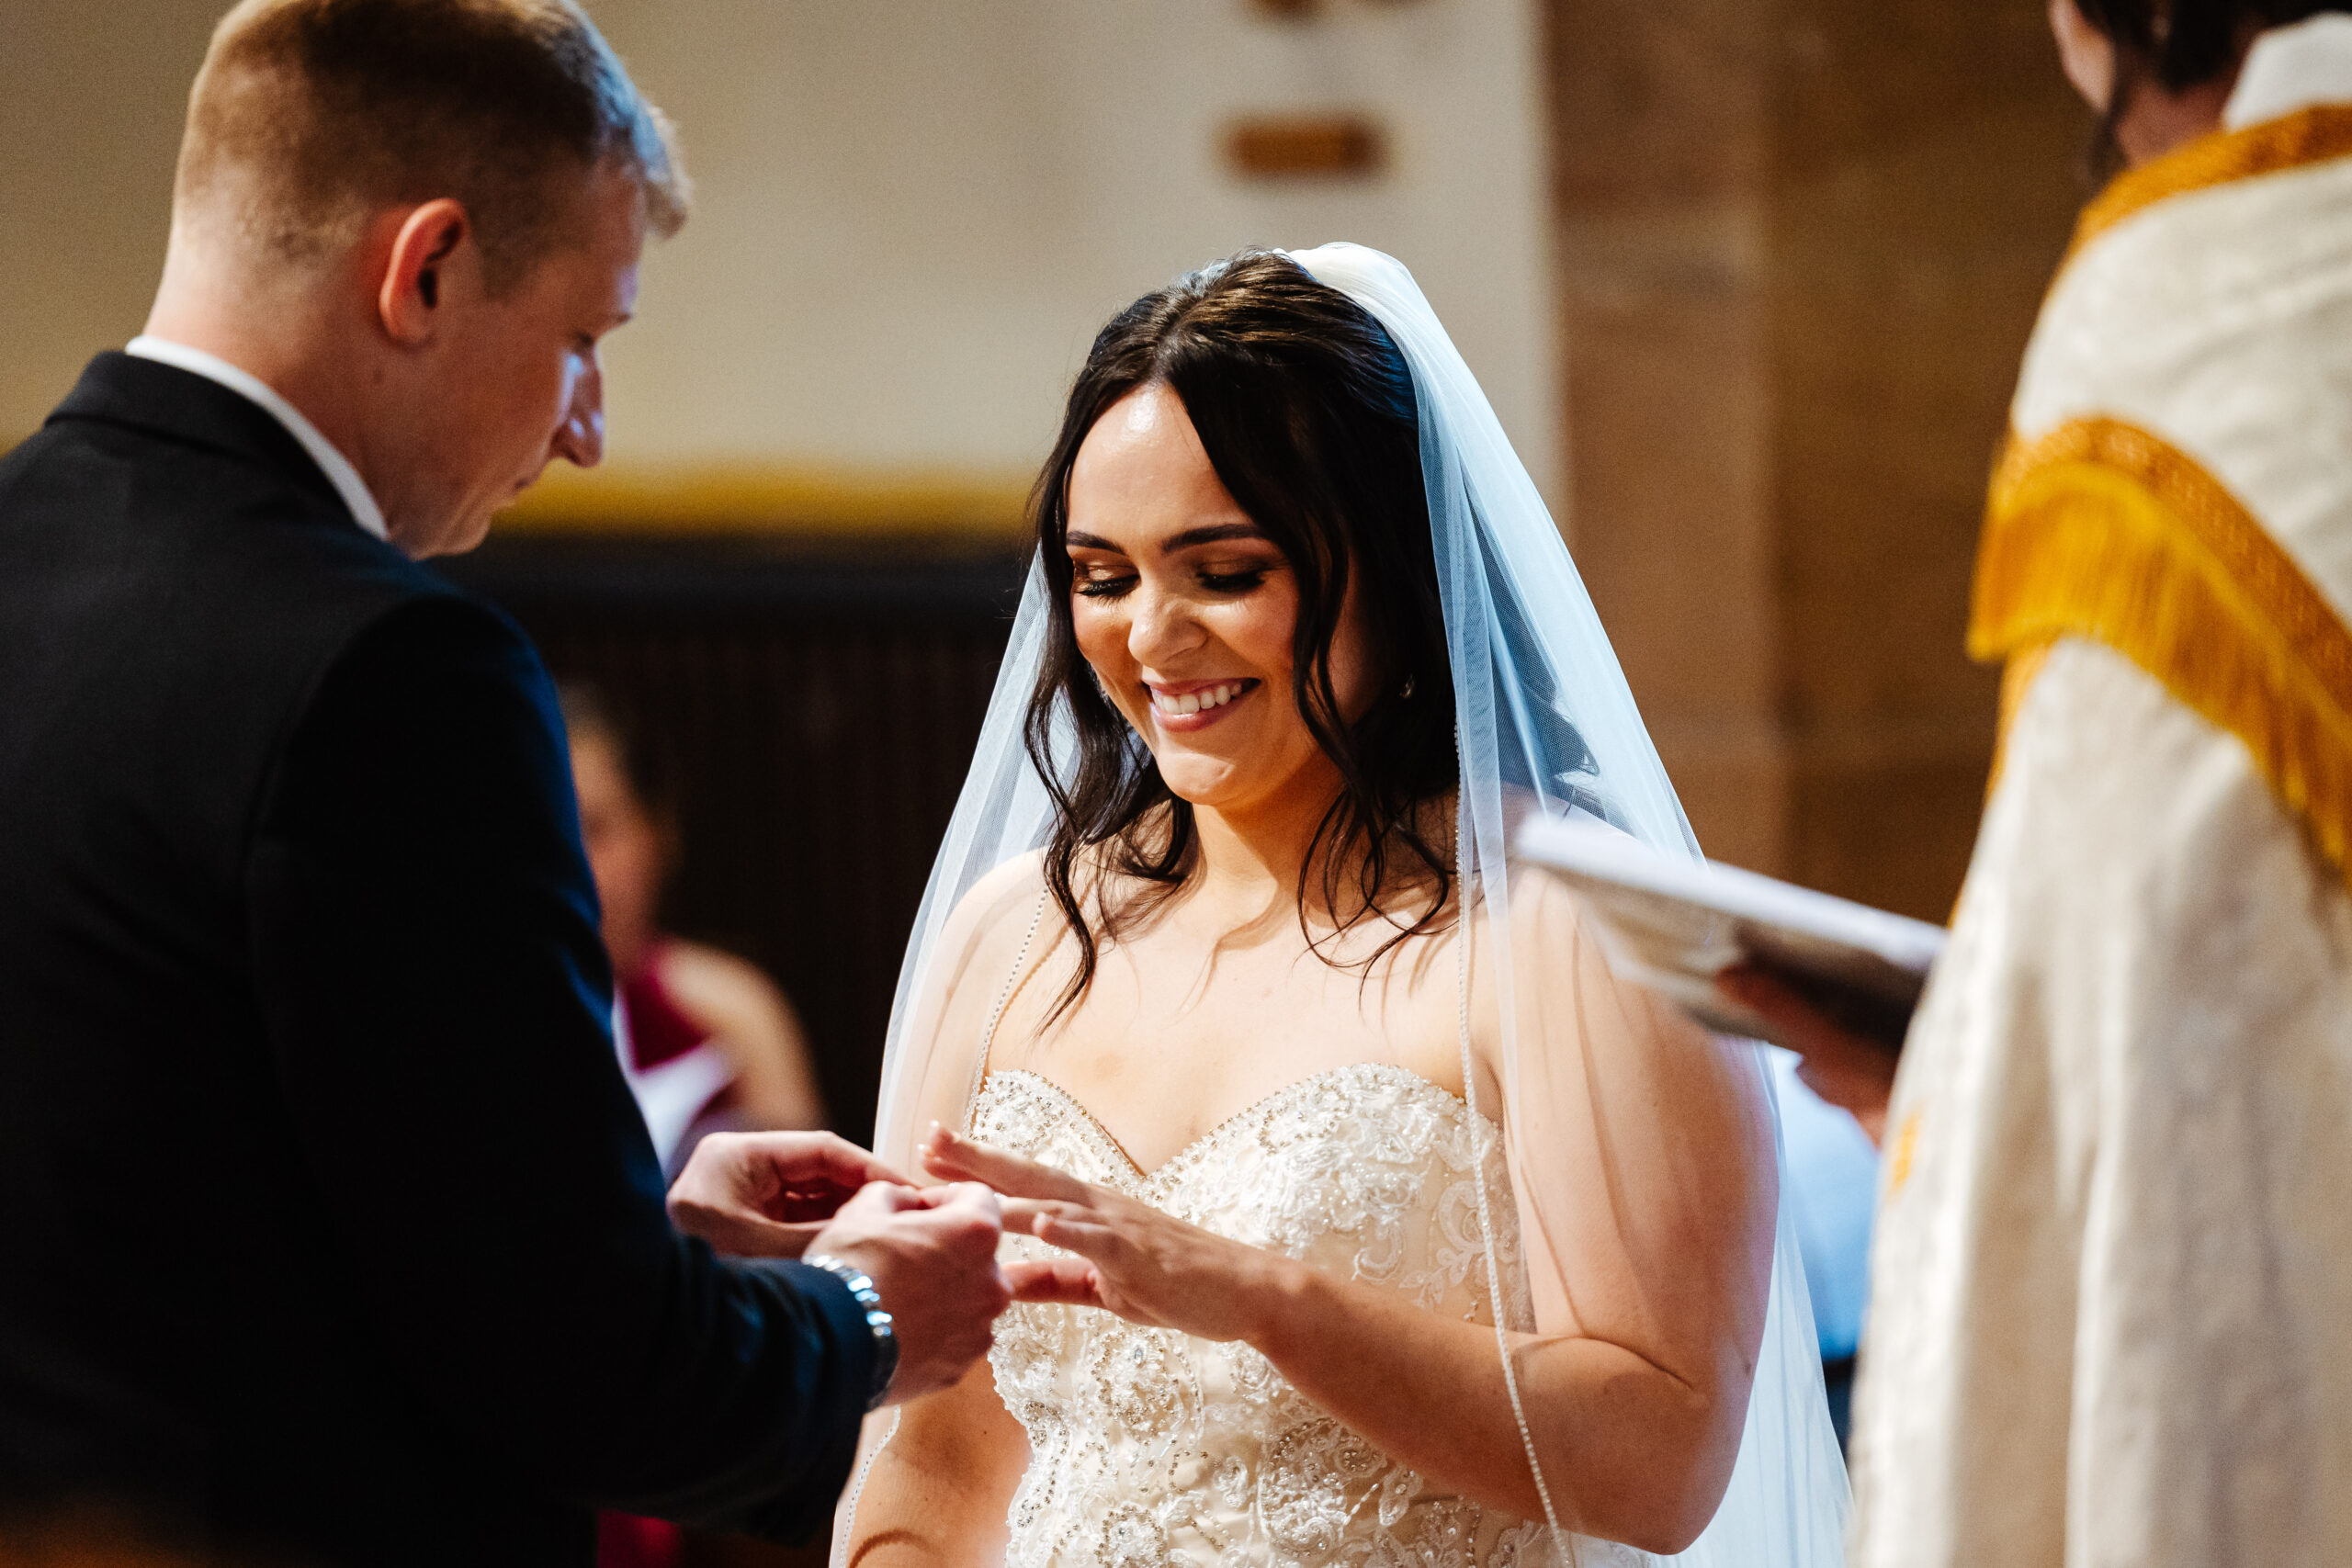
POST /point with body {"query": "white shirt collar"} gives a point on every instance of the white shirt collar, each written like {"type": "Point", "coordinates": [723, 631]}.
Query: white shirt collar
{"type": "Point", "coordinates": [2293, 68]}
{"type": "Point", "coordinates": [212, 367]}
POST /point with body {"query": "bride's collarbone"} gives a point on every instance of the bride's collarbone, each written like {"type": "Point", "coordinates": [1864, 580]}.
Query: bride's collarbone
{"type": "Point", "coordinates": [1175, 1036]}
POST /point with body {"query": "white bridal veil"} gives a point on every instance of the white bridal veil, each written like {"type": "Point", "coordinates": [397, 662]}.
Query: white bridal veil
{"type": "Point", "coordinates": [1546, 722]}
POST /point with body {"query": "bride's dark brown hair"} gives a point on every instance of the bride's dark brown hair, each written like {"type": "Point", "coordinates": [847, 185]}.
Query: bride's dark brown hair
{"type": "Point", "coordinates": [1306, 409]}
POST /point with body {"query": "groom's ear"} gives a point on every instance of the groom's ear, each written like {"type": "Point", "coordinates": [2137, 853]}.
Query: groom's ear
{"type": "Point", "coordinates": [412, 284]}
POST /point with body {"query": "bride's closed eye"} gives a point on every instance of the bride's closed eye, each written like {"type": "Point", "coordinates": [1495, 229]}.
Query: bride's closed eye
{"type": "Point", "coordinates": [1101, 582]}
{"type": "Point", "coordinates": [1235, 579]}
{"type": "Point", "coordinates": [1097, 585]}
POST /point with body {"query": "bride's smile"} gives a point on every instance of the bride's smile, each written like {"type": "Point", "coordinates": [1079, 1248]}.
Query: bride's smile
{"type": "Point", "coordinates": [1189, 707]}
{"type": "Point", "coordinates": [1189, 613]}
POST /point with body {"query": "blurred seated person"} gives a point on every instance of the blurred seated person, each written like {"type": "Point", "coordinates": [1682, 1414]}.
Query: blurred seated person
{"type": "Point", "coordinates": [706, 1039]}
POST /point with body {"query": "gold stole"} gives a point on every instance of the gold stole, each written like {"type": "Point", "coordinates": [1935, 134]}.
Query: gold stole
{"type": "Point", "coordinates": [2099, 529]}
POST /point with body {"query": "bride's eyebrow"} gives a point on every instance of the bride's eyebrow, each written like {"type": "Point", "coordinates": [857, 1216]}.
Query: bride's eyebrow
{"type": "Point", "coordinates": [1208, 534]}
{"type": "Point", "coordinates": [1211, 534]}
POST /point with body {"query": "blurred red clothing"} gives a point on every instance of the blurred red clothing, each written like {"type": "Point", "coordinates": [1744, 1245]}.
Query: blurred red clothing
{"type": "Point", "coordinates": [624, 1541]}
{"type": "Point", "coordinates": [658, 1033]}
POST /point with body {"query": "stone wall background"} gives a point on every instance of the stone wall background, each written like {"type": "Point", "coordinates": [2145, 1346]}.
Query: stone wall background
{"type": "Point", "coordinates": [1801, 244]}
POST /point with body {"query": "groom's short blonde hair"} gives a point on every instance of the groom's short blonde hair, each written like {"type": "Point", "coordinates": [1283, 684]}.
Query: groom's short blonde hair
{"type": "Point", "coordinates": [310, 116]}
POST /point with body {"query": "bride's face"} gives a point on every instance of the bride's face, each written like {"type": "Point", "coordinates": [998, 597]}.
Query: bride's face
{"type": "Point", "coordinates": [1186, 613]}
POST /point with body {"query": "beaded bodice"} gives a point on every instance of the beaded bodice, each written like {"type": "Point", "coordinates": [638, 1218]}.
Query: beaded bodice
{"type": "Point", "coordinates": [1149, 1449]}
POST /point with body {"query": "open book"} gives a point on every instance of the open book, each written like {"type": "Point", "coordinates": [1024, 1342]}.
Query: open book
{"type": "Point", "coordinates": [1675, 924]}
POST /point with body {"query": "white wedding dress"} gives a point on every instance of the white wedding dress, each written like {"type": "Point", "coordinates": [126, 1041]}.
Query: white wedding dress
{"type": "Point", "coordinates": [1149, 1447]}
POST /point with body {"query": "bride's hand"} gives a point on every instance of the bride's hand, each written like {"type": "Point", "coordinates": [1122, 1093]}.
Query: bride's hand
{"type": "Point", "coordinates": [1133, 1260]}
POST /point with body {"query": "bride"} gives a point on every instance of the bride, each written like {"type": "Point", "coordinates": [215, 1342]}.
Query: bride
{"type": "Point", "coordinates": [1368, 1217]}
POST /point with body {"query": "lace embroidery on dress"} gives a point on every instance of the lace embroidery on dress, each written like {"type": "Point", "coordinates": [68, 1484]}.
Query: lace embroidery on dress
{"type": "Point", "coordinates": [1150, 1447]}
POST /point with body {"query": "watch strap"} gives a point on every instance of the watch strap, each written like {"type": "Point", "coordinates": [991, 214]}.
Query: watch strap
{"type": "Point", "coordinates": [878, 1322]}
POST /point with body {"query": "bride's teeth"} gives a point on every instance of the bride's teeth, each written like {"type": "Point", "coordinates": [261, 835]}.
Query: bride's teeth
{"type": "Point", "coordinates": [1177, 704]}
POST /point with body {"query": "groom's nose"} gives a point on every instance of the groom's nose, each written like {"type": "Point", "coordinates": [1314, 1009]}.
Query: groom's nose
{"type": "Point", "coordinates": [580, 439]}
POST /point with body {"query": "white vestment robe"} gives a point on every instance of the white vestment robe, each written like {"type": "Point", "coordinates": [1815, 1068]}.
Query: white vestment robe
{"type": "Point", "coordinates": [2110, 1317]}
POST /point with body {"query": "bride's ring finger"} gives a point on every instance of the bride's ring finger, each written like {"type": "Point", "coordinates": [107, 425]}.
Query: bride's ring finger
{"type": "Point", "coordinates": [946, 1154]}
{"type": "Point", "coordinates": [1023, 1214]}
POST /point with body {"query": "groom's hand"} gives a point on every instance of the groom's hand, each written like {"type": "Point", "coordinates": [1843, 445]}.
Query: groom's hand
{"type": "Point", "coordinates": [931, 1255]}
{"type": "Point", "coordinates": [768, 1194]}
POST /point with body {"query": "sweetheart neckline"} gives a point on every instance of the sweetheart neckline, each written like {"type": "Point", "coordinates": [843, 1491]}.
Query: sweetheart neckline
{"type": "Point", "coordinates": [1156, 1176]}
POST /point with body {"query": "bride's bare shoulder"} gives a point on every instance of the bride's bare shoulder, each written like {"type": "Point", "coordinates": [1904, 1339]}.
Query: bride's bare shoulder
{"type": "Point", "coordinates": [1003, 901]}
{"type": "Point", "coordinates": [1554, 950]}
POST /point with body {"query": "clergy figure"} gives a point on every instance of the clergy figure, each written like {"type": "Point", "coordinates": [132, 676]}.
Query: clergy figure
{"type": "Point", "coordinates": [2113, 1269]}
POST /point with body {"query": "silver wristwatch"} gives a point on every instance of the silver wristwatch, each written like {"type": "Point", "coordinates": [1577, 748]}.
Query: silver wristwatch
{"type": "Point", "coordinates": [877, 1322]}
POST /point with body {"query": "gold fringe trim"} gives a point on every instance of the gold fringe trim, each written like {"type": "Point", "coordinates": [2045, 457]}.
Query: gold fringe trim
{"type": "Point", "coordinates": [2103, 531]}
{"type": "Point", "coordinates": [2291, 141]}
{"type": "Point", "coordinates": [2017, 678]}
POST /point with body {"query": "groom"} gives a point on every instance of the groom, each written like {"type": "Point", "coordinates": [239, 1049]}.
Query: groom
{"type": "Point", "coordinates": [328, 1230]}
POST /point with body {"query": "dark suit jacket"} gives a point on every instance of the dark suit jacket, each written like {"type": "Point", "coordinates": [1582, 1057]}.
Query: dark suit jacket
{"type": "Point", "coordinates": [327, 1223]}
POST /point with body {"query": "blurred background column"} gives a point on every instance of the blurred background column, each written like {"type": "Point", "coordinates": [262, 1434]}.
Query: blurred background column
{"type": "Point", "coordinates": [1800, 244]}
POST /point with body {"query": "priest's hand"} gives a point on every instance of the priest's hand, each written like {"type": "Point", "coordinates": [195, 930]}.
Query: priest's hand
{"type": "Point", "coordinates": [1850, 1070]}
{"type": "Point", "coordinates": [1139, 1262]}
{"type": "Point", "coordinates": [768, 1194]}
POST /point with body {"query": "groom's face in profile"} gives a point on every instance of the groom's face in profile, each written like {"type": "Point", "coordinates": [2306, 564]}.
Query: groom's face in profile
{"type": "Point", "coordinates": [515, 380]}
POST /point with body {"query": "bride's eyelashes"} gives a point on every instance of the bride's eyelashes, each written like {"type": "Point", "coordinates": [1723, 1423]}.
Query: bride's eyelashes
{"type": "Point", "coordinates": [1226, 572]}
{"type": "Point", "coordinates": [1107, 585]}
{"type": "Point", "coordinates": [1104, 585]}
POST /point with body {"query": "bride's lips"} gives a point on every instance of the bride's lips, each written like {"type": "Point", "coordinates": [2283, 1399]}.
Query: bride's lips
{"type": "Point", "coordinates": [1207, 702]}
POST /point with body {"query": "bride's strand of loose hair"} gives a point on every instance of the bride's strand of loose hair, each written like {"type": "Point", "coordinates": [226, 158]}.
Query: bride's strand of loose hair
{"type": "Point", "coordinates": [1373, 816]}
